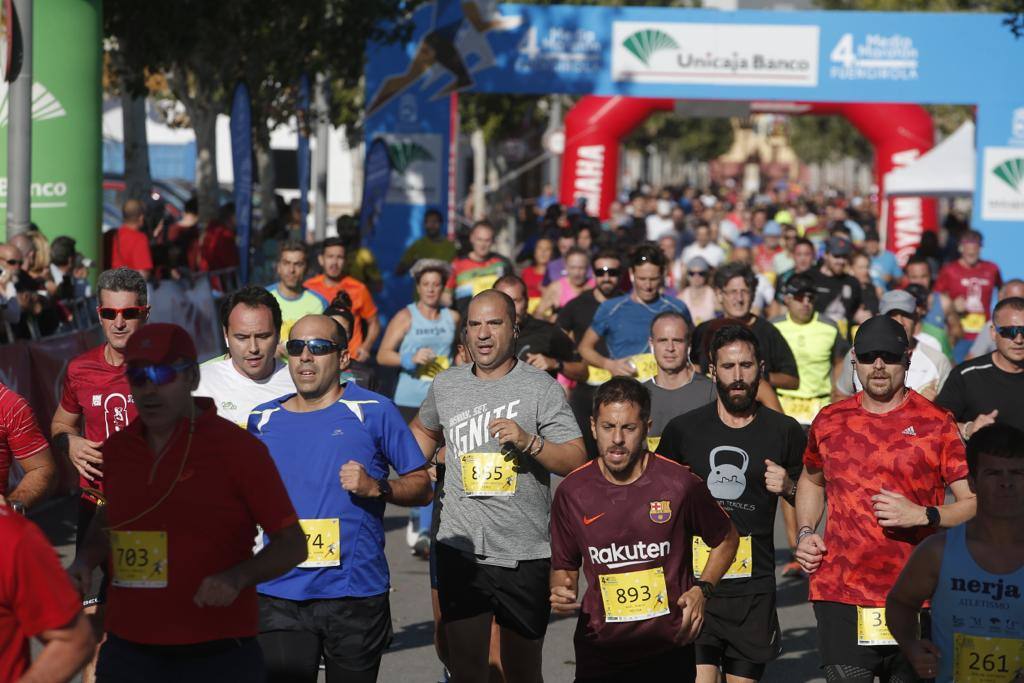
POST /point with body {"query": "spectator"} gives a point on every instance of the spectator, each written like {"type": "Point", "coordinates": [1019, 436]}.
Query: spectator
{"type": "Point", "coordinates": [128, 245]}
{"type": "Point", "coordinates": [546, 199]}
{"type": "Point", "coordinates": [434, 244]}
{"type": "Point", "coordinates": [185, 235]}
{"type": "Point", "coordinates": [360, 262]}
{"type": "Point", "coordinates": [660, 222]}
{"type": "Point", "coordinates": [218, 249]}
{"type": "Point", "coordinates": [10, 266]}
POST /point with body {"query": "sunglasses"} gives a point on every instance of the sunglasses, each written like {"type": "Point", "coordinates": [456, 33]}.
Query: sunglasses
{"type": "Point", "coordinates": [129, 313]}
{"type": "Point", "coordinates": [159, 375]}
{"type": "Point", "coordinates": [1010, 331]}
{"type": "Point", "coordinates": [13, 262]}
{"type": "Point", "coordinates": [317, 347]}
{"type": "Point", "coordinates": [609, 272]}
{"type": "Point", "coordinates": [888, 357]}
{"type": "Point", "coordinates": [804, 296]}
{"type": "Point", "coordinates": [697, 273]}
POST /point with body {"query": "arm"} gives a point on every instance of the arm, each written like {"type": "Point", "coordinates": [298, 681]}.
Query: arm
{"type": "Point", "coordinates": [65, 652]}
{"type": "Point", "coordinates": [810, 505]}
{"type": "Point", "coordinates": [564, 591]}
{"type": "Point", "coordinates": [545, 308]}
{"type": "Point", "coordinates": [287, 548]}
{"type": "Point", "coordinates": [372, 332]}
{"type": "Point", "coordinates": [916, 583]}
{"type": "Point", "coordinates": [588, 351]}
{"type": "Point", "coordinates": [693, 601]}
{"type": "Point", "coordinates": [39, 481]}
{"type": "Point", "coordinates": [399, 326]}
{"type": "Point", "coordinates": [768, 398]}
{"type": "Point", "coordinates": [781, 380]}
{"type": "Point", "coordinates": [894, 510]}
{"type": "Point", "coordinates": [84, 454]}
{"type": "Point", "coordinates": [409, 490]}
{"type": "Point", "coordinates": [429, 440]}
{"type": "Point", "coordinates": [93, 552]}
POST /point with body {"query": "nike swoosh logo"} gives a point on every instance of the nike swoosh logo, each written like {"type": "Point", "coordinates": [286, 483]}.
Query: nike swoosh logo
{"type": "Point", "coordinates": [587, 521]}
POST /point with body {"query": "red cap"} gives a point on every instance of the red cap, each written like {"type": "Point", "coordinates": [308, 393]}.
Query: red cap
{"type": "Point", "coordinates": [160, 344]}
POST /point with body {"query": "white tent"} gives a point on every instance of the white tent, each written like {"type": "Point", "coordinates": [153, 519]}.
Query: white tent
{"type": "Point", "coordinates": [946, 170]}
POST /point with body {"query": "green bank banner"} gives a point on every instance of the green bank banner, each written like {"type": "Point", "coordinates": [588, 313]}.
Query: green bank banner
{"type": "Point", "coordinates": [66, 137]}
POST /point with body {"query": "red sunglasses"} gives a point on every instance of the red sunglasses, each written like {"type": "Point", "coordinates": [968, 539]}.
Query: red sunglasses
{"type": "Point", "coordinates": [128, 313]}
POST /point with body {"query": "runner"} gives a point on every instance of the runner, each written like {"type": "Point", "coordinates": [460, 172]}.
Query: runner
{"type": "Point", "coordinates": [506, 427]}
{"type": "Point", "coordinates": [37, 601]}
{"type": "Point", "coordinates": [541, 344]}
{"type": "Point", "coordinates": [621, 322]}
{"type": "Point", "coordinates": [628, 518]}
{"type": "Point", "coordinates": [984, 344]}
{"type": "Point", "coordinates": [478, 270]}
{"type": "Point", "coordinates": [21, 441]}
{"type": "Point", "coordinates": [941, 315]}
{"type": "Point", "coordinates": [883, 459]}
{"type": "Point", "coordinates": [973, 575]}
{"type": "Point", "coordinates": [677, 388]}
{"type": "Point", "coordinates": [838, 292]}
{"type": "Point", "coordinates": [294, 299]}
{"type": "Point", "coordinates": [333, 445]}
{"type": "Point", "coordinates": [433, 245]}
{"type": "Point", "coordinates": [750, 456]}
{"type": "Point", "coordinates": [251, 373]}
{"type": "Point", "coordinates": [566, 288]}
{"type": "Point", "coordinates": [988, 389]}
{"type": "Point", "coordinates": [969, 282]}
{"type": "Point", "coordinates": [182, 602]}
{"type": "Point", "coordinates": [332, 281]}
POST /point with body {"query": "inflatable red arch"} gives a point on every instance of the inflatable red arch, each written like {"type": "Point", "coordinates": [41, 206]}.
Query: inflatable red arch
{"type": "Point", "coordinates": [899, 134]}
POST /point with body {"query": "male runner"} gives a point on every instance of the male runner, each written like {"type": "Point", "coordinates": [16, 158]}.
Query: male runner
{"type": "Point", "coordinates": [883, 458]}
{"type": "Point", "coordinates": [333, 444]}
{"type": "Point", "coordinates": [970, 283]}
{"type": "Point", "coordinates": [294, 298]}
{"type": "Point", "coordinates": [252, 373]}
{"type": "Point", "coordinates": [628, 518]}
{"type": "Point", "coordinates": [478, 270]}
{"type": "Point", "coordinates": [973, 575]}
{"type": "Point", "coordinates": [334, 280]}
{"type": "Point", "coordinates": [677, 388]}
{"type": "Point", "coordinates": [185, 490]}
{"type": "Point", "coordinates": [749, 456]}
{"type": "Point", "coordinates": [507, 427]}
{"type": "Point", "coordinates": [22, 442]}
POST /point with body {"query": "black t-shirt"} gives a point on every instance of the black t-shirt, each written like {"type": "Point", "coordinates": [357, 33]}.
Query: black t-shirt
{"type": "Point", "coordinates": [838, 297]}
{"type": "Point", "coordinates": [775, 351]}
{"type": "Point", "coordinates": [575, 317]}
{"type": "Point", "coordinates": [537, 336]}
{"type": "Point", "coordinates": [731, 462]}
{"type": "Point", "coordinates": [977, 387]}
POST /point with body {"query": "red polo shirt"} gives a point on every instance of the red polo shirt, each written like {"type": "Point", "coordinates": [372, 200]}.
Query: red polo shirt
{"type": "Point", "coordinates": [222, 485]}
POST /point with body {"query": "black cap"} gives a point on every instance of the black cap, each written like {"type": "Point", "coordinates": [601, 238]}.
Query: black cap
{"type": "Point", "coordinates": [871, 235]}
{"type": "Point", "coordinates": [838, 246]}
{"type": "Point", "coordinates": [881, 333]}
{"type": "Point", "coordinates": [798, 283]}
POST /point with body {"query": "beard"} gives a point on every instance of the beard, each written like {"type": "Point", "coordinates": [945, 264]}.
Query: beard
{"type": "Point", "coordinates": [742, 402]}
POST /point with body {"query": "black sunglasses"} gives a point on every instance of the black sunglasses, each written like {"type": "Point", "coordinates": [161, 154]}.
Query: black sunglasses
{"type": "Point", "coordinates": [888, 357]}
{"type": "Point", "coordinates": [696, 273]}
{"type": "Point", "coordinates": [1010, 331]}
{"type": "Point", "coordinates": [610, 272]}
{"type": "Point", "coordinates": [159, 375]}
{"type": "Point", "coordinates": [317, 347]}
{"type": "Point", "coordinates": [128, 313]}
{"type": "Point", "coordinates": [13, 261]}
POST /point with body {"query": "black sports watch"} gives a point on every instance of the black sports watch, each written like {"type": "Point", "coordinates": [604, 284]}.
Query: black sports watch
{"type": "Point", "coordinates": [934, 518]}
{"type": "Point", "coordinates": [707, 588]}
{"type": "Point", "coordinates": [385, 487]}
{"type": "Point", "coordinates": [17, 506]}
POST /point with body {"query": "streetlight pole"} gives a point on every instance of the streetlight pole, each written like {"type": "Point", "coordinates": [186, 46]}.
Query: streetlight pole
{"type": "Point", "coordinates": [19, 123]}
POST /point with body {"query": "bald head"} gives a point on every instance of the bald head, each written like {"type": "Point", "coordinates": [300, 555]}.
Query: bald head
{"type": "Point", "coordinates": [132, 211]}
{"type": "Point", "coordinates": [319, 327]}
{"type": "Point", "coordinates": [1012, 289]}
{"type": "Point", "coordinates": [9, 252]}
{"type": "Point", "coordinates": [494, 296]}
{"type": "Point", "coordinates": [23, 243]}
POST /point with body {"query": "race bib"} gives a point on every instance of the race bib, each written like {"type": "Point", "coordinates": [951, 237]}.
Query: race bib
{"type": "Point", "coordinates": [323, 542]}
{"type": "Point", "coordinates": [483, 283]}
{"type": "Point", "coordinates": [973, 322]}
{"type": "Point", "coordinates": [429, 371]}
{"type": "Point", "coordinates": [646, 368]}
{"type": "Point", "coordinates": [139, 559]}
{"type": "Point", "coordinates": [652, 443]}
{"type": "Point", "coordinates": [987, 660]}
{"type": "Point", "coordinates": [871, 627]}
{"type": "Point", "coordinates": [741, 568]}
{"type": "Point", "coordinates": [803, 410]}
{"type": "Point", "coordinates": [488, 474]}
{"type": "Point", "coordinates": [634, 596]}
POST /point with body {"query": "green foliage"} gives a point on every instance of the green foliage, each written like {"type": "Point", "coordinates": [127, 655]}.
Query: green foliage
{"type": "Point", "coordinates": [683, 138]}
{"type": "Point", "coordinates": [827, 138]}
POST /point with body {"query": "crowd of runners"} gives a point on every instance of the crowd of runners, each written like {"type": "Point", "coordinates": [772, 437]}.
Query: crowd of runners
{"type": "Point", "coordinates": [633, 402]}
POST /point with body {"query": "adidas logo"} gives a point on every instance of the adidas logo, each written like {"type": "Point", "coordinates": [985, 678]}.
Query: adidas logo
{"type": "Point", "coordinates": [909, 431]}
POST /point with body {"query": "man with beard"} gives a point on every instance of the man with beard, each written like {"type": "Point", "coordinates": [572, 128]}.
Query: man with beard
{"type": "Point", "coordinates": [294, 298]}
{"type": "Point", "coordinates": [749, 456]}
{"type": "Point", "coordinates": [507, 428]}
{"type": "Point", "coordinates": [883, 459]}
{"type": "Point", "coordinates": [332, 281]}
{"type": "Point", "coordinates": [433, 244]}
{"type": "Point", "coordinates": [628, 518]}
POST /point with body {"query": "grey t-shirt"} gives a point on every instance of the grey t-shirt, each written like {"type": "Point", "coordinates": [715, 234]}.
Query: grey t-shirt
{"type": "Point", "coordinates": [512, 527]}
{"type": "Point", "coordinates": [668, 403]}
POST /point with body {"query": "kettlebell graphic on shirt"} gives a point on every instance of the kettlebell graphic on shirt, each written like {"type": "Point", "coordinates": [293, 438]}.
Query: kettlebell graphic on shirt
{"type": "Point", "coordinates": [726, 481]}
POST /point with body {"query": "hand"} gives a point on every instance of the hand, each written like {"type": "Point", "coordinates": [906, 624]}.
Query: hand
{"type": "Point", "coordinates": [356, 481]}
{"type": "Point", "coordinates": [810, 551]}
{"type": "Point", "coordinates": [692, 602]}
{"type": "Point", "coordinates": [980, 422]}
{"type": "Point", "coordinates": [362, 355]}
{"type": "Point", "coordinates": [541, 362]}
{"type": "Point", "coordinates": [432, 473]}
{"type": "Point", "coordinates": [563, 599]}
{"type": "Point", "coordinates": [219, 590]}
{"type": "Point", "coordinates": [85, 456]}
{"type": "Point", "coordinates": [924, 657]}
{"type": "Point", "coordinates": [894, 510]}
{"type": "Point", "coordinates": [960, 304]}
{"type": "Point", "coordinates": [423, 356]}
{"type": "Point", "coordinates": [80, 575]}
{"type": "Point", "coordinates": [622, 367]}
{"type": "Point", "coordinates": [508, 431]}
{"type": "Point", "coordinates": [775, 478]}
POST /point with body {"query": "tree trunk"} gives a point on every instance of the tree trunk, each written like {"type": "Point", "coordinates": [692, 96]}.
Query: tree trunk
{"type": "Point", "coordinates": [137, 179]}
{"type": "Point", "coordinates": [204, 123]}
{"type": "Point", "coordinates": [267, 180]}
{"type": "Point", "coordinates": [479, 146]}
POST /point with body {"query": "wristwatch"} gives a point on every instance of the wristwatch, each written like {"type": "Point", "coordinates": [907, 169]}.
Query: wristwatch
{"type": "Point", "coordinates": [17, 507]}
{"type": "Point", "coordinates": [707, 588]}
{"type": "Point", "coordinates": [934, 518]}
{"type": "Point", "coordinates": [385, 487]}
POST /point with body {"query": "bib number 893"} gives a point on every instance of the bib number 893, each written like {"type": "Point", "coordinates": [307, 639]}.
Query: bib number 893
{"type": "Point", "coordinates": [632, 594]}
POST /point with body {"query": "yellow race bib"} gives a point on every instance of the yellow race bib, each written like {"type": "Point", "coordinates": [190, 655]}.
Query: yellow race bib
{"type": "Point", "coordinates": [139, 559]}
{"type": "Point", "coordinates": [634, 596]}
{"type": "Point", "coordinates": [987, 660]}
{"type": "Point", "coordinates": [741, 568]}
{"type": "Point", "coordinates": [652, 443]}
{"type": "Point", "coordinates": [872, 628]}
{"type": "Point", "coordinates": [646, 368]}
{"type": "Point", "coordinates": [803, 410]}
{"type": "Point", "coordinates": [973, 322]}
{"type": "Point", "coordinates": [323, 543]}
{"type": "Point", "coordinates": [488, 474]}
{"type": "Point", "coordinates": [429, 371]}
